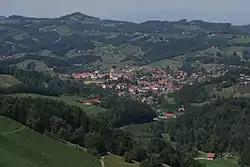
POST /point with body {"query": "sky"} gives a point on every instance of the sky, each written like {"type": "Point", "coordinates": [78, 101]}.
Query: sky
{"type": "Point", "coordinates": [234, 11]}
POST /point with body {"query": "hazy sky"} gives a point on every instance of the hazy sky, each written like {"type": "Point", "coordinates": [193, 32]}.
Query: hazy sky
{"type": "Point", "coordinates": [236, 11]}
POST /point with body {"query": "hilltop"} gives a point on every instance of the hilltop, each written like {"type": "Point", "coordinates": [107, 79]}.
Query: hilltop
{"type": "Point", "coordinates": [92, 43]}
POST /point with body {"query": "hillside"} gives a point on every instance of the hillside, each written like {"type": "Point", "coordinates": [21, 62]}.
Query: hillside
{"type": "Point", "coordinates": [79, 42]}
{"type": "Point", "coordinates": [7, 81]}
{"type": "Point", "coordinates": [21, 146]}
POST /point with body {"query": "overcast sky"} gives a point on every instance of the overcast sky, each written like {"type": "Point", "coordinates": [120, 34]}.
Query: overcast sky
{"type": "Point", "coordinates": [235, 11]}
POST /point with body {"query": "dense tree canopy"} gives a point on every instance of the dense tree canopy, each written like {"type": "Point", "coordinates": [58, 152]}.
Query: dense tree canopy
{"type": "Point", "coordinates": [220, 127]}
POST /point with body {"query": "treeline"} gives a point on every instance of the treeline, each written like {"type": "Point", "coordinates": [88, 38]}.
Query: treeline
{"type": "Point", "coordinates": [68, 123]}
{"type": "Point", "coordinates": [220, 127]}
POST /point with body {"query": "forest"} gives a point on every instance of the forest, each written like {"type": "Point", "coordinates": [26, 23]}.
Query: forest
{"type": "Point", "coordinates": [68, 123]}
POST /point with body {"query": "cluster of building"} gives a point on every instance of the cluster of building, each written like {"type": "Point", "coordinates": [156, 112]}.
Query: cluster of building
{"type": "Point", "coordinates": [7, 57]}
{"type": "Point", "coordinates": [84, 75]}
{"type": "Point", "coordinates": [141, 81]}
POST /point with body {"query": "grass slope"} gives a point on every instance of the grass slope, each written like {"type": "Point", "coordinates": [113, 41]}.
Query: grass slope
{"type": "Point", "coordinates": [22, 147]}
{"type": "Point", "coordinates": [7, 81]}
{"type": "Point", "coordinates": [71, 100]}
{"type": "Point", "coordinates": [117, 161]}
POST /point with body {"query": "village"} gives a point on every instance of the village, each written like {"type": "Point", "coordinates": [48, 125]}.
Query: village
{"type": "Point", "coordinates": [145, 84]}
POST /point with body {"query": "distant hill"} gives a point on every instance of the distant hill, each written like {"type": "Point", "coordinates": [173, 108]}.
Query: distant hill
{"type": "Point", "coordinates": [77, 16]}
{"type": "Point", "coordinates": [92, 43]}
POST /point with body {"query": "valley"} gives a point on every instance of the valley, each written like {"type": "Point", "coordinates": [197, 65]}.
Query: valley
{"type": "Point", "coordinates": [82, 91]}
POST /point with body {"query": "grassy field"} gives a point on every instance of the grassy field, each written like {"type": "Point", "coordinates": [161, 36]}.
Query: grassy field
{"type": "Point", "coordinates": [7, 80]}
{"type": "Point", "coordinates": [219, 163]}
{"type": "Point", "coordinates": [166, 62]}
{"type": "Point", "coordinates": [22, 147]}
{"type": "Point", "coordinates": [116, 161]}
{"type": "Point", "coordinates": [64, 31]}
{"type": "Point", "coordinates": [128, 49]}
{"type": "Point", "coordinates": [71, 100]}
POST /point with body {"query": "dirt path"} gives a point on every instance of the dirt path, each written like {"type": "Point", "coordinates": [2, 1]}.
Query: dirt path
{"type": "Point", "coordinates": [102, 161]}
{"type": "Point", "coordinates": [14, 131]}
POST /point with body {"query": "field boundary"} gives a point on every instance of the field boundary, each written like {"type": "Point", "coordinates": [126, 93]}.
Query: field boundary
{"type": "Point", "coordinates": [14, 131]}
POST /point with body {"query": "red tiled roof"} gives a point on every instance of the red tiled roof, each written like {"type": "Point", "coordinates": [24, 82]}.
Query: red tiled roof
{"type": "Point", "coordinates": [210, 155]}
{"type": "Point", "coordinates": [169, 115]}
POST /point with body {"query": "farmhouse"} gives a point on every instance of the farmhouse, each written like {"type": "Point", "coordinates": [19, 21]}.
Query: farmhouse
{"type": "Point", "coordinates": [211, 156]}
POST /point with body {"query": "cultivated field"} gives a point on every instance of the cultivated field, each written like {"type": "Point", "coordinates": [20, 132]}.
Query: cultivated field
{"type": "Point", "coordinates": [22, 147]}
